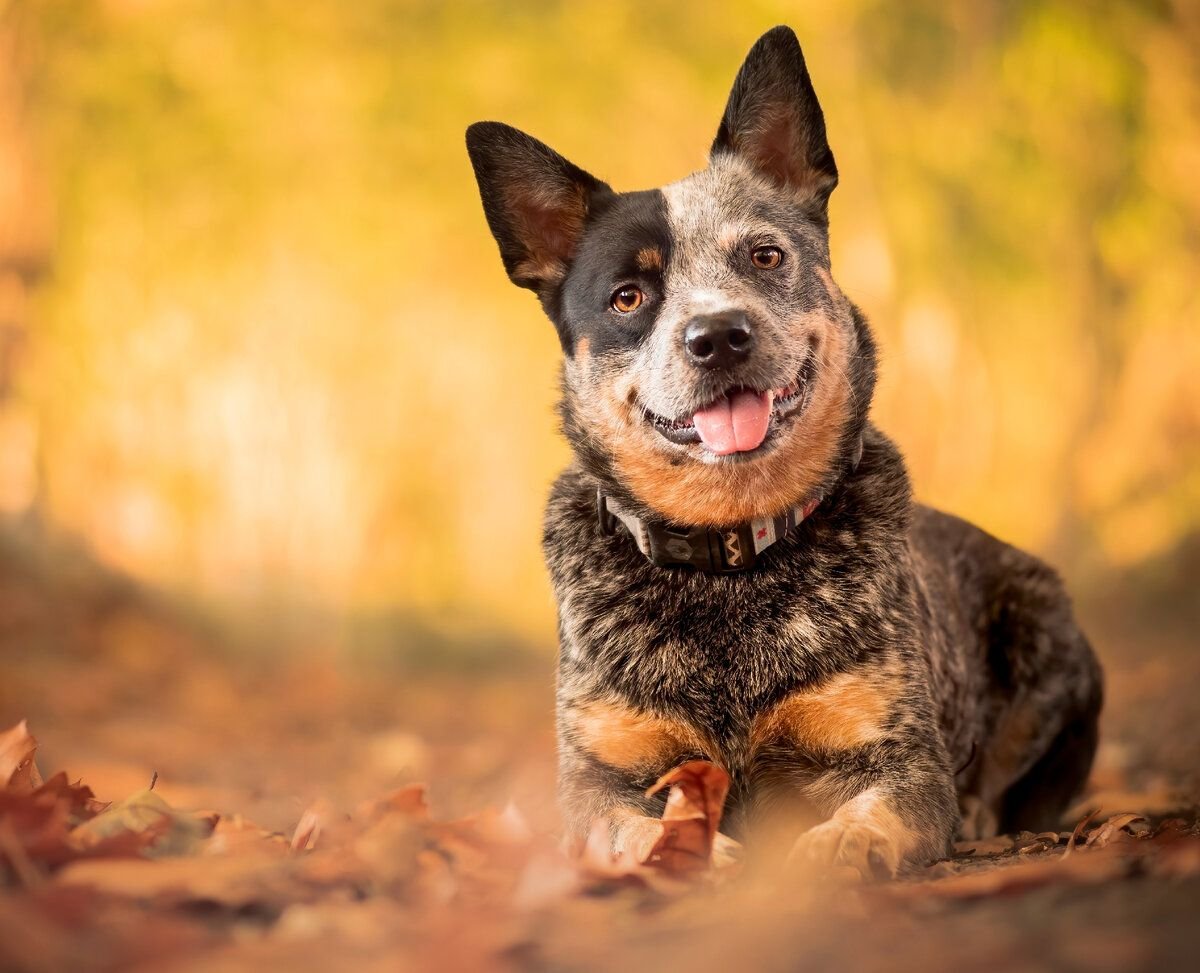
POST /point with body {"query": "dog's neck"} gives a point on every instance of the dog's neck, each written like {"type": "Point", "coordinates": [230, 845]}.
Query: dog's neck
{"type": "Point", "coordinates": [710, 550]}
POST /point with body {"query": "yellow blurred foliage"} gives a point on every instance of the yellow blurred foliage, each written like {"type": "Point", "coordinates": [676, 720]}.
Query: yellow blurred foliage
{"type": "Point", "coordinates": [277, 353]}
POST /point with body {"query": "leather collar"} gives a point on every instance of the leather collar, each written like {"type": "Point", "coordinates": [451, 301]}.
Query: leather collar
{"type": "Point", "coordinates": [711, 550]}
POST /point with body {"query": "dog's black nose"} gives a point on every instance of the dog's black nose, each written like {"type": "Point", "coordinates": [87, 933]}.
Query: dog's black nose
{"type": "Point", "coordinates": [718, 340]}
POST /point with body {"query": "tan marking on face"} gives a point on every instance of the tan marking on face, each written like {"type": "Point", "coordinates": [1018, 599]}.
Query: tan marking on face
{"type": "Point", "coordinates": [581, 347]}
{"type": "Point", "coordinates": [846, 712]}
{"type": "Point", "coordinates": [696, 493]}
{"type": "Point", "coordinates": [649, 258]}
{"type": "Point", "coordinates": [630, 739]}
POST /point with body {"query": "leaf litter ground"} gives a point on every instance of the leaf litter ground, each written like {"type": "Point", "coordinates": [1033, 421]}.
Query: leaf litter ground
{"type": "Point", "coordinates": [313, 812]}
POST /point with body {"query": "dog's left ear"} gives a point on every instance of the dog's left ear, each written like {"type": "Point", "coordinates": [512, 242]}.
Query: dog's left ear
{"type": "Point", "coordinates": [774, 122]}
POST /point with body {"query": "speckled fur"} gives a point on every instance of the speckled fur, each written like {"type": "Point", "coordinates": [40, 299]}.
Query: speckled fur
{"type": "Point", "coordinates": [878, 672]}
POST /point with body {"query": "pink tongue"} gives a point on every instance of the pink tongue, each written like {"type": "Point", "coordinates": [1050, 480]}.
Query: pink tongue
{"type": "Point", "coordinates": [736, 423]}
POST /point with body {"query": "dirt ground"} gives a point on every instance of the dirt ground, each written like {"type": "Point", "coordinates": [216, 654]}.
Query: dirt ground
{"type": "Point", "coordinates": [283, 830]}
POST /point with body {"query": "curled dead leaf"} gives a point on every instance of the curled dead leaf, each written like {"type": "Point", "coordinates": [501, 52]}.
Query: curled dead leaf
{"type": "Point", "coordinates": [150, 823]}
{"type": "Point", "coordinates": [1120, 827]}
{"type": "Point", "coordinates": [691, 818]}
{"type": "Point", "coordinates": [313, 821]}
{"type": "Point", "coordinates": [18, 771]}
{"type": "Point", "coordinates": [1080, 827]}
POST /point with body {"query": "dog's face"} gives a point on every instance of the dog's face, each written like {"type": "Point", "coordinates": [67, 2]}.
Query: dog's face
{"type": "Point", "coordinates": [712, 365]}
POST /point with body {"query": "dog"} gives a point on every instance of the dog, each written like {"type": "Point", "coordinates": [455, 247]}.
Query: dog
{"type": "Point", "coordinates": [742, 575]}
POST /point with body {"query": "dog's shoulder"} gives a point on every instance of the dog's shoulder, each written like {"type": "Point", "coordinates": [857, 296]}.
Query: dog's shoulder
{"type": "Point", "coordinates": [570, 522]}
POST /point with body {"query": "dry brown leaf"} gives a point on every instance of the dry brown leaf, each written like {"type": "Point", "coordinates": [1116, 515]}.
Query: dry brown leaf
{"type": "Point", "coordinates": [1033, 844]}
{"type": "Point", "coordinates": [1077, 833]}
{"type": "Point", "coordinates": [36, 826]}
{"type": "Point", "coordinates": [685, 839]}
{"type": "Point", "coordinates": [691, 818]}
{"type": "Point", "coordinates": [18, 771]}
{"type": "Point", "coordinates": [1117, 828]}
{"type": "Point", "coordinates": [163, 830]}
{"type": "Point", "coordinates": [313, 821]}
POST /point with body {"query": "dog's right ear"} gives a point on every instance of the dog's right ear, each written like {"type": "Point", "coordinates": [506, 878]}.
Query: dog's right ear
{"type": "Point", "coordinates": [536, 202]}
{"type": "Point", "coordinates": [774, 122]}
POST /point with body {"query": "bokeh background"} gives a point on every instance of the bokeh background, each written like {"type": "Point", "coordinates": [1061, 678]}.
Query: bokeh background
{"type": "Point", "coordinates": [260, 361]}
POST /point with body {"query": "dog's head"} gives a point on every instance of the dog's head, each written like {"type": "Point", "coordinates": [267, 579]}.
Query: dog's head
{"type": "Point", "coordinates": [713, 369]}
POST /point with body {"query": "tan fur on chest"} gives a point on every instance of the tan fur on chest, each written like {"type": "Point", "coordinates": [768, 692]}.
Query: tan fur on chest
{"type": "Point", "coordinates": [629, 739]}
{"type": "Point", "coordinates": [845, 712]}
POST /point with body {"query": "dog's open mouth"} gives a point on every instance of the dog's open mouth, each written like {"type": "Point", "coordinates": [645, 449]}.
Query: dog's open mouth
{"type": "Point", "coordinates": [741, 420]}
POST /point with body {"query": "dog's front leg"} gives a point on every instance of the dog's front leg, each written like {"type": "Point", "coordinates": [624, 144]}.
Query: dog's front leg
{"type": "Point", "coordinates": [600, 803]}
{"type": "Point", "coordinates": [610, 752]}
{"type": "Point", "coordinates": [893, 803]}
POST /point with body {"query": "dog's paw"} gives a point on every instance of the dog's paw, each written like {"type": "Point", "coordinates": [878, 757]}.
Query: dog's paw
{"type": "Point", "coordinates": [855, 850]}
{"type": "Point", "coordinates": [630, 837]}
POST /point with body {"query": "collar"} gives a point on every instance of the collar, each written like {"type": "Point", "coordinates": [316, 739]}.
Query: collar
{"type": "Point", "coordinates": [710, 550]}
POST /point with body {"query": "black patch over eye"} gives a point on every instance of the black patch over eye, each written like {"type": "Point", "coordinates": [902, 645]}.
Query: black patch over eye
{"type": "Point", "coordinates": [766, 258]}
{"type": "Point", "coordinates": [626, 300]}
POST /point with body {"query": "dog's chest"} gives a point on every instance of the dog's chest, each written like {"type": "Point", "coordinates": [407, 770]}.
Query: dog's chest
{"type": "Point", "coordinates": [720, 654]}
{"type": "Point", "coordinates": [808, 721]}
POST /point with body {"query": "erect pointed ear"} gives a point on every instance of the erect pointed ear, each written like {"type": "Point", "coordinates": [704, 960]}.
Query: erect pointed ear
{"type": "Point", "coordinates": [773, 120]}
{"type": "Point", "coordinates": [536, 202]}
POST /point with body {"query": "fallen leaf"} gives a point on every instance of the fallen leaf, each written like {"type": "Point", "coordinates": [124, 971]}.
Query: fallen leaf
{"type": "Point", "coordinates": [691, 818]}
{"type": "Point", "coordinates": [1120, 827]}
{"type": "Point", "coordinates": [1037, 843]}
{"type": "Point", "coordinates": [162, 829]}
{"type": "Point", "coordinates": [1077, 833]}
{"type": "Point", "coordinates": [312, 822]}
{"type": "Point", "coordinates": [18, 771]}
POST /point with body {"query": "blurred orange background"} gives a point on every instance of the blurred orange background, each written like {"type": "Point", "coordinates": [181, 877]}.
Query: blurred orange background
{"type": "Point", "coordinates": [259, 350]}
{"type": "Point", "coordinates": [276, 431]}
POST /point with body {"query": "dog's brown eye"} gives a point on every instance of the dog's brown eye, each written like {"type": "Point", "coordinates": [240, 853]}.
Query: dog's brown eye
{"type": "Point", "coordinates": [766, 258]}
{"type": "Point", "coordinates": [627, 299]}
